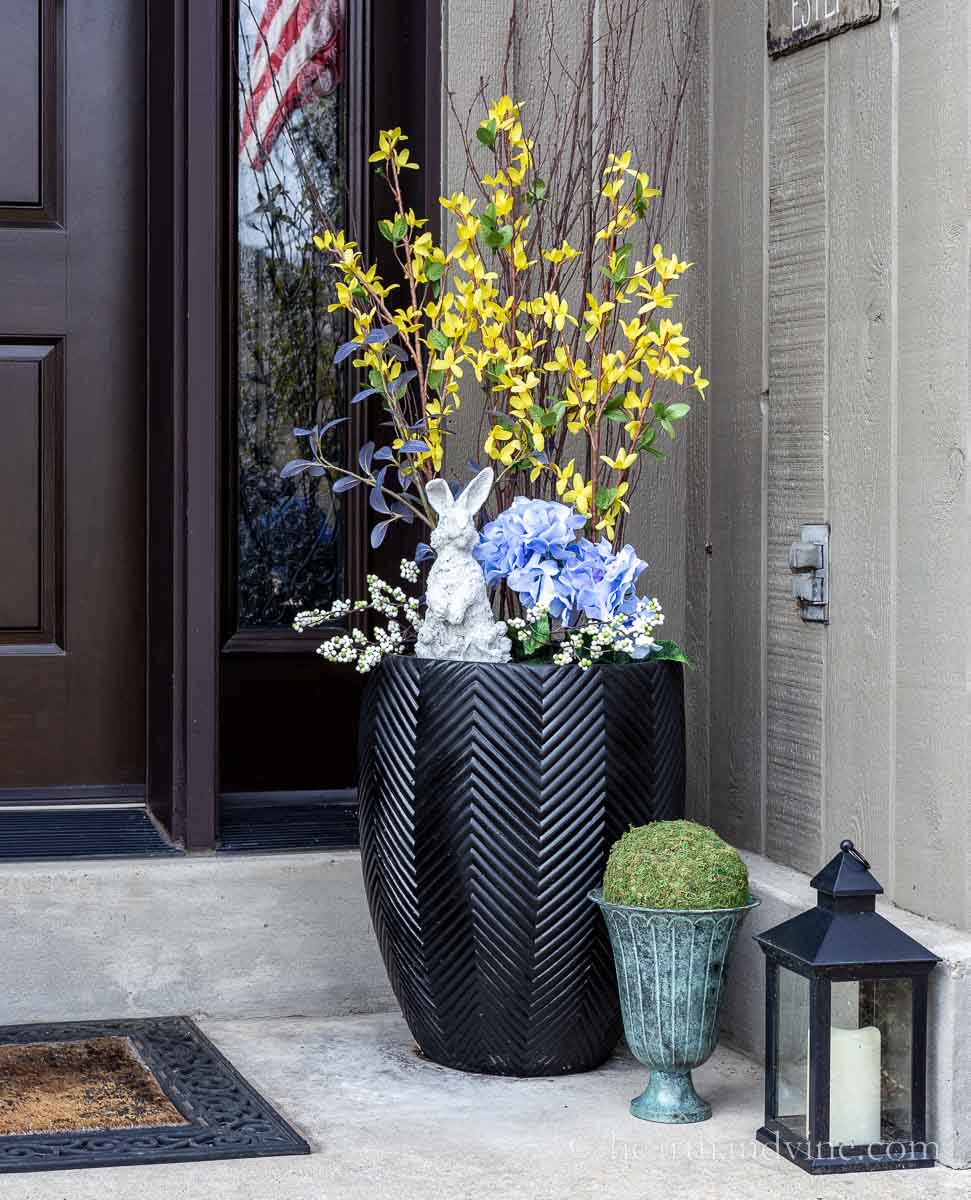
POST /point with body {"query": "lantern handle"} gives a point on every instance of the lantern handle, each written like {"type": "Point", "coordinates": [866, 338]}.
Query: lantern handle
{"type": "Point", "coordinates": [848, 848]}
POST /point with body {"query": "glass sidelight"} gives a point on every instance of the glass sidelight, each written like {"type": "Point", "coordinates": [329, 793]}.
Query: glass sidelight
{"type": "Point", "coordinates": [290, 158]}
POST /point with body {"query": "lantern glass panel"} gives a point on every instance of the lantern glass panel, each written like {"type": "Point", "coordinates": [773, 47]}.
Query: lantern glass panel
{"type": "Point", "coordinates": [870, 1062]}
{"type": "Point", "coordinates": [792, 1053]}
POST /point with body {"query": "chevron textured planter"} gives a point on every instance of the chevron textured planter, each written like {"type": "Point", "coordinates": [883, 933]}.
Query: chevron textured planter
{"type": "Point", "coordinates": [489, 798]}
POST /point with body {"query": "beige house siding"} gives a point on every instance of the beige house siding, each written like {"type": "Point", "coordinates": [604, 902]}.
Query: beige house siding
{"type": "Point", "coordinates": [840, 328]}
{"type": "Point", "coordinates": [825, 199]}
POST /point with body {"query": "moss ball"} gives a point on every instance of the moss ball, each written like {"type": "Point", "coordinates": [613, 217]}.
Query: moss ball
{"type": "Point", "coordinates": [675, 864]}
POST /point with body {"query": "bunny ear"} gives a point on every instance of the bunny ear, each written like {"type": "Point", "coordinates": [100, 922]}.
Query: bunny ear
{"type": "Point", "coordinates": [439, 495]}
{"type": "Point", "coordinates": [477, 493]}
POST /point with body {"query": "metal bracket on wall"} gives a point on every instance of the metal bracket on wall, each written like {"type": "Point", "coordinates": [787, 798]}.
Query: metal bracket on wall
{"type": "Point", "coordinates": [809, 563]}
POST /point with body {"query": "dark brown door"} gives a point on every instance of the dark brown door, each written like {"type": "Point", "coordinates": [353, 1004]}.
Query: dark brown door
{"type": "Point", "coordinates": [72, 398]}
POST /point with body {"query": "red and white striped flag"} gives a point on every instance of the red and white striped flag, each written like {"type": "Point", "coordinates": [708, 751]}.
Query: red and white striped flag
{"type": "Point", "coordinates": [297, 53]}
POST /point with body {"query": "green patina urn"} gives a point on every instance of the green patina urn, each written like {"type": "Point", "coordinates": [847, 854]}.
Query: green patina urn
{"type": "Point", "coordinates": [672, 961]}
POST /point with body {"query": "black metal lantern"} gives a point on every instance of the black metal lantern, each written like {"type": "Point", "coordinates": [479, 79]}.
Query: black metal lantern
{"type": "Point", "coordinates": [846, 1031]}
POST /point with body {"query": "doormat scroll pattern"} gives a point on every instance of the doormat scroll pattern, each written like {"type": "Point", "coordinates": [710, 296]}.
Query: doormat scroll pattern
{"type": "Point", "coordinates": [222, 1115]}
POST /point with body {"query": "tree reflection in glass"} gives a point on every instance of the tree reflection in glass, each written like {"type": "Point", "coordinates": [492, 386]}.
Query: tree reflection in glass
{"type": "Point", "coordinates": [289, 531]}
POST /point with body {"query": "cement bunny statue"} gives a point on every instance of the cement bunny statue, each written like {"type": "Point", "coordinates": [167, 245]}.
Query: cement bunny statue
{"type": "Point", "coordinates": [459, 622]}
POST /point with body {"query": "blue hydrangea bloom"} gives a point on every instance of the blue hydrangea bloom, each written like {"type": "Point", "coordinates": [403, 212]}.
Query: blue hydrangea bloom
{"type": "Point", "coordinates": [534, 546]}
{"type": "Point", "coordinates": [539, 582]}
{"type": "Point", "coordinates": [598, 583]}
{"type": "Point", "coordinates": [527, 528]}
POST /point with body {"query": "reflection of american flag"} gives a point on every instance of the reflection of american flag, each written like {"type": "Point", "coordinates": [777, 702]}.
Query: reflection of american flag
{"type": "Point", "coordinates": [297, 51]}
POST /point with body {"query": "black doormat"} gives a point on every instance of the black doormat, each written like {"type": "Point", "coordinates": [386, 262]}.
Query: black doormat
{"type": "Point", "coordinates": [255, 822]}
{"type": "Point", "coordinates": [85, 831]}
{"type": "Point", "coordinates": [207, 1109]}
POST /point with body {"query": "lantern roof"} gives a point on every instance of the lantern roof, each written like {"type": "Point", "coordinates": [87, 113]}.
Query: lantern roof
{"type": "Point", "coordinates": [847, 874]}
{"type": "Point", "coordinates": [844, 930]}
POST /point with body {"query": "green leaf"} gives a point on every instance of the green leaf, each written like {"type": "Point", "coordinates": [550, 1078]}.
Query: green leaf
{"type": "Point", "coordinates": [386, 229]}
{"type": "Point", "coordinates": [646, 439]}
{"type": "Point", "coordinates": [536, 191]}
{"type": "Point", "coordinates": [435, 380]}
{"type": "Point", "coordinates": [551, 418]}
{"type": "Point", "coordinates": [434, 270]}
{"type": "Point", "coordinates": [505, 422]}
{"type": "Point", "coordinates": [439, 340]}
{"type": "Point", "coordinates": [400, 227]}
{"type": "Point", "coordinates": [677, 411]}
{"type": "Point", "coordinates": [486, 133]}
{"type": "Point", "coordinates": [614, 409]}
{"type": "Point", "coordinates": [536, 412]}
{"type": "Point", "coordinates": [375, 380]}
{"type": "Point", "coordinates": [539, 637]}
{"type": "Point", "coordinates": [624, 254]}
{"type": "Point", "coordinates": [667, 427]}
{"type": "Point", "coordinates": [605, 497]}
{"type": "Point", "coordinates": [671, 652]}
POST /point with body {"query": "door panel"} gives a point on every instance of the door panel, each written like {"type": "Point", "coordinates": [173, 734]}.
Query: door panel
{"type": "Point", "coordinates": [72, 386]}
{"type": "Point", "coordinates": [20, 137]}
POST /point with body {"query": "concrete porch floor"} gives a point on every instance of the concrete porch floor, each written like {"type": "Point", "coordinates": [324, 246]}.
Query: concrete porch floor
{"type": "Point", "coordinates": [385, 1125]}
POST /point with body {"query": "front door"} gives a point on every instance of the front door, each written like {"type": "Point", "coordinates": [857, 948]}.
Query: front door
{"type": "Point", "coordinates": [72, 400]}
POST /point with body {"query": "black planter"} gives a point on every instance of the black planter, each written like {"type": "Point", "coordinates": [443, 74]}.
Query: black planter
{"type": "Point", "coordinates": [490, 796]}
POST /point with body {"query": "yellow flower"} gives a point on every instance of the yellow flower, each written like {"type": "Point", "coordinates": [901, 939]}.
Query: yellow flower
{"type": "Point", "coordinates": [699, 382]}
{"type": "Point", "coordinates": [559, 362]}
{"type": "Point", "coordinates": [580, 495]}
{"type": "Point", "coordinates": [563, 475]}
{"type": "Point", "coordinates": [503, 202]}
{"type": "Point", "coordinates": [668, 268]}
{"type": "Point", "coordinates": [561, 253]}
{"type": "Point", "coordinates": [623, 461]}
{"type": "Point", "coordinates": [449, 362]}
{"type": "Point", "coordinates": [633, 329]}
{"type": "Point", "coordinates": [504, 112]}
{"type": "Point", "coordinates": [520, 260]}
{"type": "Point", "coordinates": [494, 442]}
{"type": "Point", "coordinates": [618, 163]}
{"type": "Point", "coordinates": [407, 320]}
{"type": "Point", "coordinates": [345, 298]}
{"type": "Point", "coordinates": [656, 297]}
{"type": "Point", "coordinates": [647, 192]}
{"type": "Point", "coordinates": [594, 314]}
{"type": "Point", "coordinates": [555, 312]}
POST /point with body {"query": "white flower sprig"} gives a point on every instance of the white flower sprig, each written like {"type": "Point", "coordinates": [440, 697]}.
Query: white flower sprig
{"type": "Point", "coordinates": [630, 634]}
{"type": "Point", "coordinates": [403, 613]}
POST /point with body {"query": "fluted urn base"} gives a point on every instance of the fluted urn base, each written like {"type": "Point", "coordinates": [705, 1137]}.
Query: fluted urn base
{"type": "Point", "coordinates": [670, 1099]}
{"type": "Point", "coordinates": [490, 796]}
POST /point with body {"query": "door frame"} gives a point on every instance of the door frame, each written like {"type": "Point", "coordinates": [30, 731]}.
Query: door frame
{"type": "Point", "coordinates": [190, 154]}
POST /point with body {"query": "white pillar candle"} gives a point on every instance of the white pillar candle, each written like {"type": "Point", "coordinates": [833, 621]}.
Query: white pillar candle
{"type": "Point", "coordinates": [854, 1086]}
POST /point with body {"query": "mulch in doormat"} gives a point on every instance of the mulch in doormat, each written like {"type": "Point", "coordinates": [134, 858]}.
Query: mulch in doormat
{"type": "Point", "coordinates": [116, 1093]}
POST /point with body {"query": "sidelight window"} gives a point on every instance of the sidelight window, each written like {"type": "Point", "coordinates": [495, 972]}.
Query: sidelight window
{"type": "Point", "coordinates": [290, 166]}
